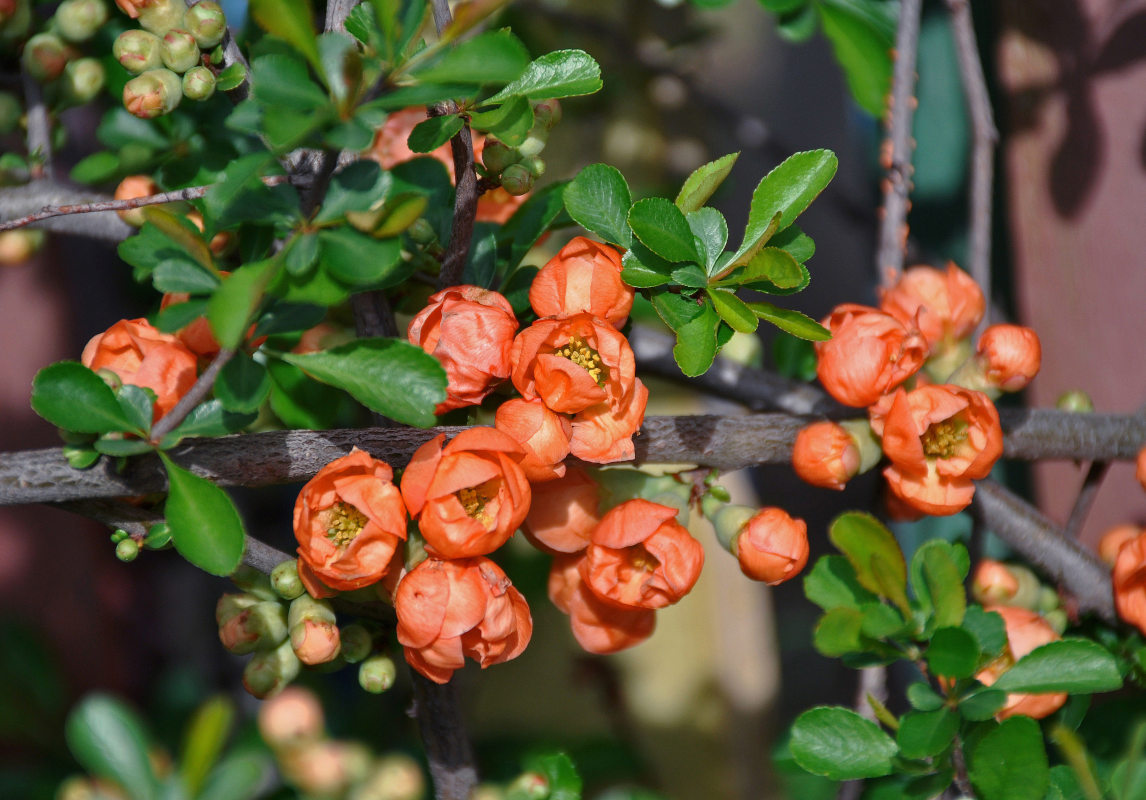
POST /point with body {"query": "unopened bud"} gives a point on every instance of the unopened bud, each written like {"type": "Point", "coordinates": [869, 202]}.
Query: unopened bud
{"type": "Point", "coordinates": [529, 786]}
{"type": "Point", "coordinates": [535, 165]}
{"type": "Point", "coordinates": [152, 94]}
{"type": "Point", "coordinates": [325, 768]}
{"type": "Point", "coordinates": [45, 56]}
{"type": "Point", "coordinates": [422, 232]}
{"type": "Point", "coordinates": [1112, 541]}
{"type": "Point", "coordinates": [517, 179]}
{"type": "Point", "coordinates": [10, 112]}
{"type": "Point", "coordinates": [488, 791]}
{"type": "Point", "coordinates": [137, 51]}
{"type": "Point", "coordinates": [251, 580]}
{"type": "Point", "coordinates": [993, 583]}
{"type": "Point", "coordinates": [111, 379]}
{"type": "Point", "coordinates": [179, 50]}
{"type": "Point", "coordinates": [259, 627]}
{"type": "Point", "coordinates": [131, 188]}
{"type": "Point", "coordinates": [728, 522]}
{"type": "Point", "coordinates": [80, 20]}
{"type": "Point", "coordinates": [285, 580]}
{"type": "Point", "coordinates": [1012, 356]}
{"type": "Point", "coordinates": [291, 718]}
{"type": "Point", "coordinates": [206, 22]}
{"type": "Point", "coordinates": [160, 16]}
{"type": "Point", "coordinates": [84, 78]}
{"type": "Point", "coordinates": [377, 673]}
{"type": "Point", "coordinates": [497, 156]}
{"type": "Point", "coordinates": [315, 642]}
{"type": "Point", "coordinates": [306, 607]}
{"type": "Point", "coordinates": [357, 643]}
{"type": "Point", "coordinates": [230, 605]}
{"type": "Point", "coordinates": [119, 535]}
{"type": "Point", "coordinates": [1076, 401]}
{"type": "Point", "coordinates": [1057, 619]}
{"type": "Point", "coordinates": [1048, 600]}
{"type": "Point", "coordinates": [198, 83]}
{"type": "Point", "coordinates": [534, 143]}
{"type": "Point", "coordinates": [393, 777]}
{"type": "Point", "coordinates": [270, 671]}
{"type": "Point", "coordinates": [547, 113]}
{"type": "Point", "coordinates": [127, 550]}
{"type": "Point", "coordinates": [18, 246]}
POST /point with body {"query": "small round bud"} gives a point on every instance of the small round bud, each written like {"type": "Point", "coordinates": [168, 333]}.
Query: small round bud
{"type": "Point", "coordinates": [131, 188]}
{"type": "Point", "coordinates": [535, 165]}
{"type": "Point", "coordinates": [993, 583]}
{"type": "Point", "coordinates": [324, 768]}
{"type": "Point", "coordinates": [260, 627]}
{"type": "Point", "coordinates": [84, 79]}
{"type": "Point", "coordinates": [10, 112]}
{"type": "Point", "coordinates": [179, 50]}
{"type": "Point", "coordinates": [127, 550]}
{"type": "Point", "coordinates": [270, 671]}
{"type": "Point", "coordinates": [285, 580]}
{"type": "Point", "coordinates": [113, 381]}
{"type": "Point", "coordinates": [160, 16]}
{"type": "Point", "coordinates": [497, 156]}
{"type": "Point", "coordinates": [547, 113]}
{"type": "Point", "coordinates": [206, 22]}
{"type": "Point", "coordinates": [772, 547]}
{"type": "Point", "coordinates": [306, 607]}
{"type": "Point", "coordinates": [529, 786]}
{"type": "Point", "coordinates": [1057, 620]}
{"type": "Point", "coordinates": [291, 718]}
{"type": "Point", "coordinates": [517, 179]}
{"type": "Point", "coordinates": [534, 143]}
{"type": "Point", "coordinates": [137, 51]}
{"type": "Point", "coordinates": [45, 56]}
{"type": "Point", "coordinates": [394, 777]}
{"type": "Point", "coordinates": [251, 580]}
{"type": "Point", "coordinates": [356, 643]}
{"type": "Point", "coordinates": [118, 536]}
{"type": "Point", "coordinates": [315, 642]}
{"type": "Point", "coordinates": [1076, 401]}
{"type": "Point", "coordinates": [80, 20]}
{"type": "Point", "coordinates": [1048, 600]}
{"type": "Point", "coordinates": [230, 605]}
{"type": "Point", "coordinates": [422, 232]}
{"type": "Point", "coordinates": [18, 246]}
{"type": "Point", "coordinates": [198, 83]}
{"type": "Point", "coordinates": [152, 94]}
{"type": "Point", "coordinates": [377, 673]}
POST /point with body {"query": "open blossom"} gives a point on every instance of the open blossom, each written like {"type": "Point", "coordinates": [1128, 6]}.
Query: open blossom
{"type": "Point", "coordinates": [825, 454]}
{"type": "Point", "coordinates": [582, 366]}
{"type": "Point", "coordinates": [543, 434]}
{"type": "Point", "coordinates": [599, 627]}
{"type": "Point", "coordinates": [1026, 630]}
{"type": "Point", "coordinates": [349, 520]}
{"type": "Point", "coordinates": [1129, 579]}
{"type": "Point", "coordinates": [1011, 355]}
{"type": "Point", "coordinates": [944, 305]}
{"type": "Point", "coordinates": [870, 353]}
{"type": "Point", "coordinates": [470, 495]}
{"type": "Point", "coordinates": [641, 557]}
{"type": "Point", "coordinates": [772, 546]}
{"type": "Point", "coordinates": [470, 331]}
{"type": "Point", "coordinates": [564, 513]}
{"type": "Point", "coordinates": [143, 356]}
{"type": "Point", "coordinates": [448, 610]}
{"type": "Point", "coordinates": [939, 440]}
{"type": "Point", "coordinates": [584, 277]}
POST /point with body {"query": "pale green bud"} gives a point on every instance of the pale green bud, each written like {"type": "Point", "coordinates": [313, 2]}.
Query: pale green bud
{"type": "Point", "coordinates": [729, 522]}
{"type": "Point", "coordinates": [179, 50]}
{"type": "Point", "coordinates": [535, 166]}
{"type": "Point", "coordinates": [251, 580]}
{"type": "Point", "coordinates": [307, 608]}
{"type": "Point", "coordinates": [160, 16]}
{"type": "Point", "coordinates": [285, 580]}
{"type": "Point", "coordinates": [271, 671]}
{"type": "Point", "coordinates": [127, 550]}
{"type": "Point", "coordinates": [1076, 401]}
{"type": "Point", "coordinates": [356, 643]}
{"type": "Point", "coordinates": [517, 179]}
{"type": "Point", "coordinates": [198, 83]}
{"type": "Point", "coordinates": [137, 51]}
{"type": "Point", "coordinates": [534, 143]}
{"type": "Point", "coordinates": [84, 79]}
{"type": "Point", "coordinates": [377, 673]}
{"type": "Point", "coordinates": [528, 786]}
{"type": "Point", "coordinates": [206, 22]}
{"type": "Point", "coordinates": [80, 20]}
{"type": "Point", "coordinates": [497, 156]}
{"type": "Point", "coordinates": [547, 113]}
{"type": "Point", "coordinates": [152, 94]}
{"type": "Point", "coordinates": [45, 56]}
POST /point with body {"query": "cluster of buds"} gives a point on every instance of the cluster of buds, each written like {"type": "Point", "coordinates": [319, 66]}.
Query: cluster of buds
{"type": "Point", "coordinates": [516, 168]}
{"type": "Point", "coordinates": [54, 56]}
{"type": "Point", "coordinates": [928, 395]}
{"type": "Point", "coordinates": [170, 43]}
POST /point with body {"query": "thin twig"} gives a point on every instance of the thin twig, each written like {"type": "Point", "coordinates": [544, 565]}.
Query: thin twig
{"type": "Point", "coordinates": [984, 139]}
{"type": "Point", "coordinates": [196, 394]}
{"type": "Point", "coordinates": [1087, 493]}
{"type": "Point", "coordinates": [39, 124]}
{"type": "Point", "coordinates": [959, 761]}
{"type": "Point", "coordinates": [899, 146]}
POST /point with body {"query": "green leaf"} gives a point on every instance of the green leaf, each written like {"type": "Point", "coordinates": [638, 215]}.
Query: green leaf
{"type": "Point", "coordinates": [560, 774]}
{"type": "Point", "coordinates": [832, 584]}
{"type": "Point", "coordinates": [419, 95]}
{"type": "Point", "coordinates": [230, 309]}
{"type": "Point", "coordinates": [510, 122]}
{"type": "Point", "coordinates": [494, 57]}
{"type": "Point", "coordinates": [1075, 666]}
{"type": "Point", "coordinates": [953, 653]}
{"type": "Point", "coordinates": [982, 704]}
{"type": "Point", "coordinates": [662, 228]}
{"type": "Point", "coordinates": [180, 232]}
{"type": "Point", "coordinates": [598, 200]}
{"type": "Point", "coordinates": [636, 273]}
{"type": "Point", "coordinates": [301, 402]}
{"type": "Point", "coordinates": [432, 133]}
{"type": "Point", "coordinates": [881, 621]}
{"type": "Point", "coordinates": [109, 741]}
{"type": "Point", "coordinates": [696, 342]}
{"type": "Point", "coordinates": [341, 64]}
{"type": "Point", "coordinates": [231, 77]}
{"type": "Point", "coordinates": [710, 232]}
{"type": "Point", "coordinates": [787, 190]}
{"type": "Point", "coordinates": [137, 404]}
{"type": "Point", "coordinates": [988, 629]}
{"type": "Point", "coordinates": [71, 396]}
{"type": "Point", "coordinates": [282, 81]}
{"type": "Point", "coordinates": [794, 358]}
{"type": "Point", "coordinates": [392, 377]}
{"type": "Point", "coordinates": [863, 48]}
{"type": "Point", "coordinates": [770, 264]}
{"type": "Point", "coordinates": [115, 445]}
{"type": "Point", "coordinates": [292, 20]}
{"type": "Point", "coordinates": [840, 744]}
{"type": "Point", "coordinates": [1010, 762]}
{"type": "Point", "coordinates": [183, 275]}
{"type": "Point", "coordinates": [562, 73]}
{"type": "Point", "coordinates": [798, 244]}
{"type": "Point", "coordinates": [693, 277]}
{"type": "Point", "coordinates": [80, 457]}
{"type": "Point", "coordinates": [96, 168]}
{"type": "Point", "coordinates": [923, 734]}
{"type": "Point", "coordinates": [242, 385]}
{"type": "Point", "coordinates": [938, 582]}
{"type": "Point", "coordinates": [301, 254]}
{"type": "Point", "coordinates": [208, 419]}
{"type": "Point", "coordinates": [238, 178]}
{"type": "Point", "coordinates": [704, 180]}
{"type": "Point", "coordinates": [359, 186]}
{"type": "Point", "coordinates": [206, 734]}
{"type": "Point", "coordinates": [516, 289]}
{"type": "Point", "coordinates": [867, 544]}
{"type": "Point", "coordinates": [838, 632]}
{"type": "Point", "coordinates": [238, 777]}
{"type": "Point", "coordinates": [528, 224]}
{"type": "Point", "coordinates": [923, 698]}
{"type": "Point", "coordinates": [790, 321]}
{"type": "Point", "coordinates": [360, 260]}
{"type": "Point", "coordinates": [797, 25]}
{"type": "Point", "coordinates": [733, 310]}
{"type": "Point", "coordinates": [204, 524]}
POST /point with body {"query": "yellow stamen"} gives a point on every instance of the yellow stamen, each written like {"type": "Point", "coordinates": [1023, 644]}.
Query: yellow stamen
{"type": "Point", "coordinates": [584, 356]}
{"type": "Point", "coordinates": [475, 499]}
{"type": "Point", "coordinates": [343, 523]}
{"type": "Point", "coordinates": [942, 439]}
{"type": "Point", "coordinates": [641, 559]}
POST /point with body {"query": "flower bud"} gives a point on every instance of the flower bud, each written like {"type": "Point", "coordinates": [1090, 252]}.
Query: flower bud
{"type": "Point", "coordinates": [824, 455]}
{"type": "Point", "coordinates": [315, 642]}
{"type": "Point", "coordinates": [251, 580]}
{"type": "Point", "coordinates": [10, 112]}
{"type": "Point", "coordinates": [137, 51]}
{"type": "Point", "coordinates": [260, 627]}
{"type": "Point", "coordinates": [535, 165]}
{"type": "Point", "coordinates": [993, 583]}
{"type": "Point", "coordinates": [45, 56]}
{"type": "Point", "coordinates": [357, 643]}
{"type": "Point", "coordinates": [529, 786]}
{"type": "Point", "coordinates": [80, 20]}
{"type": "Point", "coordinates": [497, 156]}
{"type": "Point", "coordinates": [118, 535]}
{"type": "Point", "coordinates": [131, 188]}
{"type": "Point", "coordinates": [394, 777]}
{"type": "Point", "coordinates": [1057, 620]}
{"type": "Point", "coordinates": [422, 232]}
{"type": "Point", "coordinates": [1112, 541]}
{"type": "Point", "coordinates": [306, 607]}
{"type": "Point", "coordinates": [547, 113]}
{"type": "Point", "coordinates": [179, 50]}
{"type": "Point", "coordinates": [270, 671]}
{"type": "Point", "coordinates": [291, 718]}
{"type": "Point", "coordinates": [1012, 356]}
{"type": "Point", "coordinates": [285, 580]}
{"type": "Point", "coordinates": [1049, 600]}
{"type": "Point", "coordinates": [729, 521]}
{"type": "Point", "coordinates": [199, 83]}
{"type": "Point", "coordinates": [206, 22]}
{"type": "Point", "coordinates": [160, 16]}
{"type": "Point", "coordinates": [84, 78]}
{"type": "Point", "coordinates": [1076, 401]}
{"type": "Point", "coordinates": [772, 547]}
{"type": "Point", "coordinates": [231, 605]}
{"type": "Point", "coordinates": [488, 791]}
{"type": "Point", "coordinates": [324, 768]}
{"type": "Point", "coordinates": [152, 94]}
{"type": "Point", "coordinates": [534, 143]}
{"type": "Point", "coordinates": [18, 246]}
{"type": "Point", "coordinates": [377, 673]}
{"type": "Point", "coordinates": [517, 179]}
{"type": "Point", "coordinates": [127, 550]}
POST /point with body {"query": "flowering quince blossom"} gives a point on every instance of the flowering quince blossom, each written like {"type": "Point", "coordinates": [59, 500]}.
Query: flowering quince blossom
{"type": "Point", "coordinates": [1112, 541]}
{"type": "Point", "coordinates": [468, 496]}
{"type": "Point", "coordinates": [825, 455]}
{"type": "Point", "coordinates": [348, 519]}
{"type": "Point", "coordinates": [943, 305]}
{"type": "Point", "coordinates": [543, 434]}
{"type": "Point", "coordinates": [582, 366]}
{"type": "Point", "coordinates": [143, 356]}
{"type": "Point", "coordinates": [1129, 579]}
{"type": "Point", "coordinates": [1012, 356]}
{"type": "Point", "coordinates": [599, 627]}
{"type": "Point", "coordinates": [994, 583]}
{"type": "Point", "coordinates": [870, 353]}
{"type": "Point", "coordinates": [1140, 467]}
{"type": "Point", "coordinates": [584, 277]}
{"type": "Point", "coordinates": [470, 331]}
{"type": "Point", "coordinates": [639, 556]}
{"type": "Point", "coordinates": [772, 546]}
{"type": "Point", "coordinates": [939, 440]}
{"type": "Point", "coordinates": [448, 610]}
{"type": "Point", "coordinates": [563, 513]}
{"type": "Point", "coordinates": [1026, 630]}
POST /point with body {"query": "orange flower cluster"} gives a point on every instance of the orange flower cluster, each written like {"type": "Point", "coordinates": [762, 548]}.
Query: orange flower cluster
{"type": "Point", "coordinates": [140, 355]}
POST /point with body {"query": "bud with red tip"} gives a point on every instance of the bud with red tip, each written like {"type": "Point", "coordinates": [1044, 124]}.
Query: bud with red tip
{"type": "Point", "coordinates": [152, 94]}
{"type": "Point", "coordinates": [160, 16]}
{"type": "Point", "coordinates": [313, 632]}
{"type": "Point", "coordinates": [377, 673]}
{"type": "Point", "coordinates": [547, 113]}
{"type": "Point", "coordinates": [259, 627]}
{"type": "Point", "coordinates": [198, 83]}
{"type": "Point", "coordinates": [45, 56]}
{"type": "Point", "coordinates": [206, 22]}
{"type": "Point", "coordinates": [137, 51]}
{"type": "Point", "coordinates": [179, 50]}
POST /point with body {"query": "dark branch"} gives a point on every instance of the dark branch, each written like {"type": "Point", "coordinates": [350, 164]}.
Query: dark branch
{"type": "Point", "coordinates": [442, 726]}
{"type": "Point", "coordinates": [465, 209]}
{"type": "Point", "coordinates": [1095, 474]}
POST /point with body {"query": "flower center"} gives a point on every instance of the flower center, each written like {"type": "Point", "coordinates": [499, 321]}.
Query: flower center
{"type": "Point", "coordinates": [942, 439]}
{"type": "Point", "coordinates": [343, 523]}
{"type": "Point", "coordinates": [585, 356]}
{"type": "Point", "coordinates": [641, 559]}
{"type": "Point", "coordinates": [475, 499]}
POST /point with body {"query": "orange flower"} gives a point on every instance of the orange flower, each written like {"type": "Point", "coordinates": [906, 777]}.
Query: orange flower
{"type": "Point", "coordinates": [772, 546]}
{"type": "Point", "coordinates": [563, 513]}
{"type": "Point", "coordinates": [994, 583]}
{"type": "Point", "coordinates": [470, 496]}
{"type": "Point", "coordinates": [939, 439]}
{"type": "Point", "coordinates": [322, 336]}
{"type": "Point", "coordinates": [641, 557]}
{"type": "Point", "coordinates": [195, 335]}
{"type": "Point", "coordinates": [470, 331]}
{"type": "Point", "coordinates": [825, 455]}
{"type": "Point", "coordinates": [451, 609]}
{"type": "Point", "coordinates": [1130, 582]}
{"type": "Point", "coordinates": [584, 277]}
{"type": "Point", "coordinates": [1112, 541]}
{"type": "Point", "coordinates": [1026, 630]}
{"type": "Point", "coordinates": [583, 366]}
{"type": "Point", "coordinates": [945, 306]}
{"type": "Point", "coordinates": [348, 519]}
{"type": "Point", "coordinates": [131, 188]}
{"type": "Point", "coordinates": [1012, 356]}
{"type": "Point", "coordinates": [543, 435]}
{"type": "Point", "coordinates": [869, 354]}
{"type": "Point", "coordinates": [597, 626]}
{"type": "Point", "coordinates": [1140, 470]}
{"type": "Point", "coordinates": [143, 356]}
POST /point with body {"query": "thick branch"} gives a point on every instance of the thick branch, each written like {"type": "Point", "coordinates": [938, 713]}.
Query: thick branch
{"type": "Point", "coordinates": [442, 726]}
{"type": "Point", "coordinates": [465, 209]}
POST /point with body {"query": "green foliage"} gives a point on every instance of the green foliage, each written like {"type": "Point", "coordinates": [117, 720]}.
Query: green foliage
{"type": "Point", "coordinates": [1010, 762]}
{"type": "Point", "coordinates": [840, 744]}
{"type": "Point", "coordinates": [71, 396]}
{"type": "Point", "coordinates": [109, 741]}
{"type": "Point", "coordinates": [1078, 666]}
{"type": "Point", "coordinates": [205, 526]}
